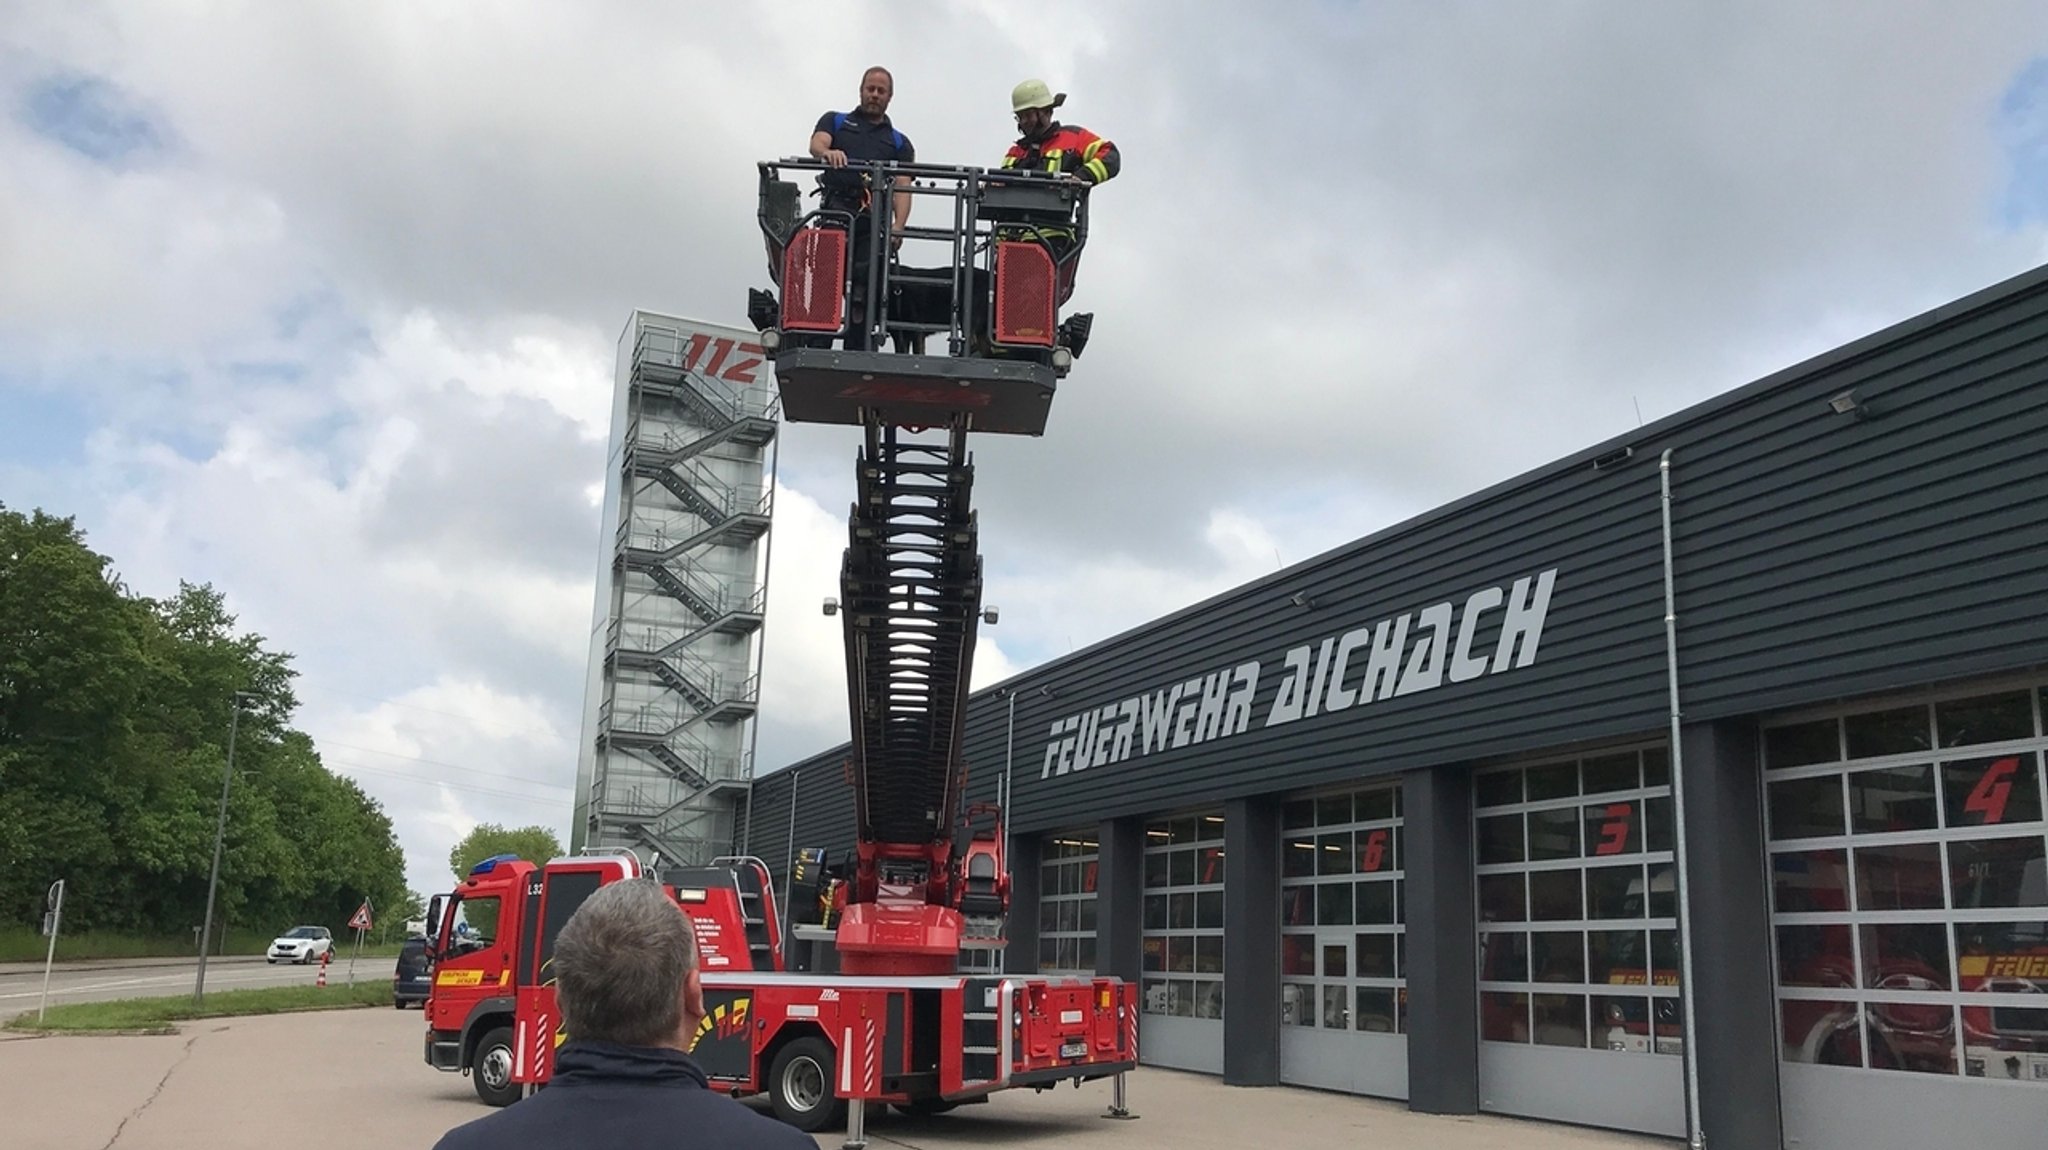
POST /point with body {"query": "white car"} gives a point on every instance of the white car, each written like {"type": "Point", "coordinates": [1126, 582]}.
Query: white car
{"type": "Point", "coordinates": [301, 944]}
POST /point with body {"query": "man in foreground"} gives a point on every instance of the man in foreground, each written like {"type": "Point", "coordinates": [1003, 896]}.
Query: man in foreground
{"type": "Point", "coordinates": [625, 968]}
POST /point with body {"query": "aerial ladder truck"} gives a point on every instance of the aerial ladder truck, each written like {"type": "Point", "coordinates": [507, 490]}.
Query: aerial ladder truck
{"type": "Point", "coordinates": [898, 1022]}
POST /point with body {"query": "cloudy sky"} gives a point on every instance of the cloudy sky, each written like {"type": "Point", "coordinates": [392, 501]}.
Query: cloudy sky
{"type": "Point", "coordinates": [318, 301]}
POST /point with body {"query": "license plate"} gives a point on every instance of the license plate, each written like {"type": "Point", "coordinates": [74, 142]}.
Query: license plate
{"type": "Point", "coordinates": [1075, 1049]}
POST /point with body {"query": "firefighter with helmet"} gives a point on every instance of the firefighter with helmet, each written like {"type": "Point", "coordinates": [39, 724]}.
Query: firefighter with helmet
{"type": "Point", "coordinates": [1068, 151]}
{"type": "Point", "coordinates": [1046, 145]}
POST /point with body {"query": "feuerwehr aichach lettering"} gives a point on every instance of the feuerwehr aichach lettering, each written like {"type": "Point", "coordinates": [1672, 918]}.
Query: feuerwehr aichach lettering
{"type": "Point", "coordinates": [1403, 655]}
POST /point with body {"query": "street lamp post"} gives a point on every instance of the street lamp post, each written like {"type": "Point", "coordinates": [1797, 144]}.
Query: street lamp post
{"type": "Point", "coordinates": [220, 828]}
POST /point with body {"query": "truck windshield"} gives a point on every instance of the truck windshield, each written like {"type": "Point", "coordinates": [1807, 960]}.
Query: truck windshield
{"type": "Point", "coordinates": [473, 923]}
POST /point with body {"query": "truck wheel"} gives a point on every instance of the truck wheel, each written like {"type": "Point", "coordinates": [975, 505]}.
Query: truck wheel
{"type": "Point", "coordinates": [492, 1071]}
{"type": "Point", "coordinates": [800, 1085]}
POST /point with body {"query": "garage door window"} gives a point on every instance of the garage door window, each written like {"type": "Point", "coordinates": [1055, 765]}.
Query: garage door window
{"type": "Point", "coordinates": [1909, 863]}
{"type": "Point", "coordinates": [1184, 916]}
{"type": "Point", "coordinates": [1578, 904]}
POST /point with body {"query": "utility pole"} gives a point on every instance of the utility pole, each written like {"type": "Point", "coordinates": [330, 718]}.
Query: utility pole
{"type": "Point", "coordinates": [220, 828]}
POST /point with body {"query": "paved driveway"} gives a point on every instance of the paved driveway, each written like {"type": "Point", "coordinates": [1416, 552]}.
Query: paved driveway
{"type": "Point", "coordinates": [356, 1078]}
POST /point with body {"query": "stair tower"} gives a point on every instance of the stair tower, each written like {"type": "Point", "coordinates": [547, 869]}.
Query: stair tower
{"type": "Point", "coordinates": [673, 682]}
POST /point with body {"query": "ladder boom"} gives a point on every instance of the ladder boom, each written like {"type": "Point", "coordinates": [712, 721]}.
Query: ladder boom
{"type": "Point", "coordinates": [911, 584]}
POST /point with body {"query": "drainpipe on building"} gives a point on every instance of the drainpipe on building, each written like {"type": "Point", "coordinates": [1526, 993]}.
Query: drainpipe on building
{"type": "Point", "coordinates": [796, 778]}
{"type": "Point", "coordinates": [1696, 1138]}
{"type": "Point", "coordinates": [1010, 744]}
{"type": "Point", "coordinates": [1009, 748]}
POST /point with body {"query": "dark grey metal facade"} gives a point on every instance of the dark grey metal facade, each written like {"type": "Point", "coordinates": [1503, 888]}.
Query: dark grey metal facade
{"type": "Point", "coordinates": [1443, 1060]}
{"type": "Point", "coordinates": [1732, 962]}
{"type": "Point", "coordinates": [1872, 520]}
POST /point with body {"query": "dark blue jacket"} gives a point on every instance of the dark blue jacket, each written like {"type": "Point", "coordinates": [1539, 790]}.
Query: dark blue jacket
{"type": "Point", "coordinates": [609, 1097]}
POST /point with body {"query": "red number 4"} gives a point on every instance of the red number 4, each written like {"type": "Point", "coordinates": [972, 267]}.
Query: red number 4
{"type": "Point", "coordinates": [1989, 796]}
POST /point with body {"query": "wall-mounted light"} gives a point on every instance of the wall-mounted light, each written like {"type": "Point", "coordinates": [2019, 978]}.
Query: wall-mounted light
{"type": "Point", "coordinates": [1614, 459]}
{"type": "Point", "coordinates": [1302, 599]}
{"type": "Point", "coordinates": [1847, 404]}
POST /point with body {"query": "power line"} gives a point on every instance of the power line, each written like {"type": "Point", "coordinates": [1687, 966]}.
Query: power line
{"type": "Point", "coordinates": [439, 763]}
{"type": "Point", "coordinates": [479, 720]}
{"type": "Point", "coordinates": [465, 787]}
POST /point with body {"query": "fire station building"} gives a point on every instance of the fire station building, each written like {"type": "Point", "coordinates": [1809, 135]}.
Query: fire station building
{"type": "Point", "coordinates": [1711, 754]}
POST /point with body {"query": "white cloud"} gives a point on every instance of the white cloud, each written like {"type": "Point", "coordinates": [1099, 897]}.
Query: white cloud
{"type": "Point", "coordinates": [803, 665]}
{"type": "Point", "coordinates": [388, 556]}
{"type": "Point", "coordinates": [444, 757]}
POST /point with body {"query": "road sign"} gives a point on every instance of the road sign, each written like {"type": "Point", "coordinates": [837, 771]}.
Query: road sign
{"type": "Point", "coordinates": [53, 921]}
{"type": "Point", "coordinates": [361, 921]}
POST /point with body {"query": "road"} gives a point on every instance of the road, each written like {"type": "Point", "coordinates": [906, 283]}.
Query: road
{"type": "Point", "coordinates": [356, 1078]}
{"type": "Point", "coordinates": [21, 984]}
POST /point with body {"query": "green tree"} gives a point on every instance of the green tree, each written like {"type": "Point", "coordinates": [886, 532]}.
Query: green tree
{"type": "Point", "coordinates": [536, 844]}
{"type": "Point", "coordinates": [71, 665]}
{"type": "Point", "coordinates": [114, 719]}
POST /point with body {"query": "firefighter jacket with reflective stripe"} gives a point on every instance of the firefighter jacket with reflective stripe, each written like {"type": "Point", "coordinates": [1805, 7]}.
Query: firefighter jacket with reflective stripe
{"type": "Point", "coordinates": [1067, 148]}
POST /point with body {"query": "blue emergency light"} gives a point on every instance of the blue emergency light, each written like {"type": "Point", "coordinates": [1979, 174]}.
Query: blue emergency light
{"type": "Point", "coordinates": [490, 864]}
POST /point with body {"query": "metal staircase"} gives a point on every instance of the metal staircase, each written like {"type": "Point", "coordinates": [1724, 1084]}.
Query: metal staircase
{"type": "Point", "coordinates": [694, 507]}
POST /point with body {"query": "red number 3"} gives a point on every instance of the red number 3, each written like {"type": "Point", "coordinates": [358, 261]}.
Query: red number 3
{"type": "Point", "coordinates": [1614, 832]}
{"type": "Point", "coordinates": [1992, 791]}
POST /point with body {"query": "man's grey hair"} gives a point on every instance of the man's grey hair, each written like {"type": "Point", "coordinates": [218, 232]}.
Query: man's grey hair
{"type": "Point", "coordinates": [619, 965]}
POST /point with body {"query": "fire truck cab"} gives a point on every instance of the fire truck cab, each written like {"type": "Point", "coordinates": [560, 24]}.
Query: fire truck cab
{"type": "Point", "coordinates": [489, 941]}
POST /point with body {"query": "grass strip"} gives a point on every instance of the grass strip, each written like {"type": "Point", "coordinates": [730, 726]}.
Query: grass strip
{"type": "Point", "coordinates": [161, 1013]}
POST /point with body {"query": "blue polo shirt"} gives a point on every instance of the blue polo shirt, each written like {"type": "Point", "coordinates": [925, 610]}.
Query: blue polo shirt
{"type": "Point", "coordinates": [861, 139]}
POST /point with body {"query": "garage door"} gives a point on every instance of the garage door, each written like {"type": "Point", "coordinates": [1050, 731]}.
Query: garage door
{"type": "Point", "coordinates": [1343, 997]}
{"type": "Point", "coordinates": [1909, 907]}
{"type": "Point", "coordinates": [1182, 1000]}
{"type": "Point", "coordinates": [1066, 903]}
{"type": "Point", "coordinates": [1578, 942]}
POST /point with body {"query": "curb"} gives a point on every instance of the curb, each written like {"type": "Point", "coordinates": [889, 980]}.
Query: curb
{"type": "Point", "coordinates": [90, 964]}
{"type": "Point", "coordinates": [11, 1034]}
{"type": "Point", "coordinates": [132, 1032]}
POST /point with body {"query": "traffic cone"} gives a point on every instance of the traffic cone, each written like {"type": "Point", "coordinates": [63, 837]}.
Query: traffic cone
{"type": "Point", "coordinates": [322, 980]}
